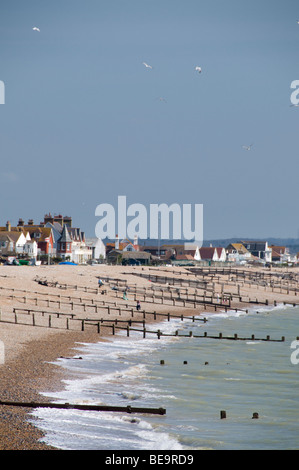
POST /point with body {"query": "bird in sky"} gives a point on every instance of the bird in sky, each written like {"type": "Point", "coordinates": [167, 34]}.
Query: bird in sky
{"type": "Point", "coordinates": [147, 66]}
{"type": "Point", "coordinates": [247, 147]}
{"type": "Point", "coordinates": [198, 69]}
{"type": "Point", "coordinates": [162, 99]}
{"type": "Point", "coordinates": [36, 29]}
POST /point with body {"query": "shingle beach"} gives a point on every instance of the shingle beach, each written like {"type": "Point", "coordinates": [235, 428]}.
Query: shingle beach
{"type": "Point", "coordinates": [33, 335]}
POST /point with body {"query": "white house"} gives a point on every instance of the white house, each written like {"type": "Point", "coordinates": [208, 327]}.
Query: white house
{"type": "Point", "coordinates": [237, 253]}
{"type": "Point", "coordinates": [260, 249]}
{"type": "Point", "coordinates": [30, 248]}
{"type": "Point", "coordinates": [12, 242]}
{"type": "Point", "coordinates": [221, 254]}
{"type": "Point", "coordinates": [97, 246]}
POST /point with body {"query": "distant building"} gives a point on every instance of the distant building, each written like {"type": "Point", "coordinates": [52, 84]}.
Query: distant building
{"type": "Point", "coordinates": [128, 257]}
{"type": "Point", "coordinates": [123, 245]}
{"type": "Point", "coordinates": [281, 254]}
{"type": "Point", "coordinates": [97, 247]}
{"type": "Point", "coordinates": [221, 253]}
{"type": "Point", "coordinates": [31, 249]}
{"type": "Point", "coordinates": [237, 253]}
{"type": "Point", "coordinates": [259, 249]}
{"type": "Point", "coordinates": [64, 245]}
{"type": "Point", "coordinates": [208, 253]}
{"type": "Point", "coordinates": [11, 242]}
{"type": "Point", "coordinates": [81, 253]}
{"type": "Point", "coordinates": [43, 237]}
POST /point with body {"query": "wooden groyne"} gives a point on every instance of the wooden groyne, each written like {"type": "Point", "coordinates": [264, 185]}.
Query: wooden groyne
{"type": "Point", "coordinates": [116, 324]}
{"type": "Point", "coordinates": [69, 406]}
{"type": "Point", "coordinates": [220, 336]}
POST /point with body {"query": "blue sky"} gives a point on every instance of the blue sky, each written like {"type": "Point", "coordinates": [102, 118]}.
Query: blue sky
{"type": "Point", "coordinates": [82, 121]}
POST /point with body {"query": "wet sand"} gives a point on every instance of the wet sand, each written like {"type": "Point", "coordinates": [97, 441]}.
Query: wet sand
{"type": "Point", "coordinates": [29, 350]}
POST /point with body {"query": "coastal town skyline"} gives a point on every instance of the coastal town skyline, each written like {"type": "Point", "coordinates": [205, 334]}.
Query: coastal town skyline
{"type": "Point", "coordinates": [85, 120]}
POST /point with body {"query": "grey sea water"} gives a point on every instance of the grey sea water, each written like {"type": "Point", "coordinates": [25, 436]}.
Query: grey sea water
{"type": "Point", "coordinates": [199, 378]}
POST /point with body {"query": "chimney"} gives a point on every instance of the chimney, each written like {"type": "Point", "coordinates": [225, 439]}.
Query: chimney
{"type": "Point", "coordinates": [48, 218]}
{"type": "Point", "coordinates": [136, 240]}
{"type": "Point", "coordinates": [30, 222]}
{"type": "Point", "coordinates": [21, 223]}
{"type": "Point", "coordinates": [8, 226]}
{"type": "Point", "coordinates": [117, 243]}
{"type": "Point", "coordinates": [59, 219]}
{"type": "Point", "coordinates": [67, 221]}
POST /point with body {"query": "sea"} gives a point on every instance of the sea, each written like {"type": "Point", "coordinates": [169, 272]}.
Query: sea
{"type": "Point", "coordinates": [194, 379]}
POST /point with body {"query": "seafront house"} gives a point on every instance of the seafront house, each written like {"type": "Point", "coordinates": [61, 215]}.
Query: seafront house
{"type": "Point", "coordinates": [64, 245]}
{"type": "Point", "coordinates": [221, 254]}
{"type": "Point", "coordinates": [128, 257]}
{"type": "Point", "coordinates": [281, 254]}
{"type": "Point", "coordinates": [97, 248]}
{"type": "Point", "coordinates": [78, 250]}
{"type": "Point", "coordinates": [237, 253]}
{"type": "Point", "coordinates": [30, 249]}
{"type": "Point", "coordinates": [208, 253]}
{"type": "Point", "coordinates": [123, 245]}
{"type": "Point", "coordinates": [259, 249]}
{"type": "Point", "coordinates": [12, 242]}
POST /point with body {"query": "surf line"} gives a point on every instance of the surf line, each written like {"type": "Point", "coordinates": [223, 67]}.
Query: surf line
{"type": "Point", "coordinates": [116, 460]}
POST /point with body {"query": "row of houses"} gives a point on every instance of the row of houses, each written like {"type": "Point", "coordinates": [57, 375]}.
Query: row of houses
{"type": "Point", "coordinates": [53, 237]}
{"type": "Point", "coordinates": [56, 237]}
{"type": "Point", "coordinates": [243, 252]}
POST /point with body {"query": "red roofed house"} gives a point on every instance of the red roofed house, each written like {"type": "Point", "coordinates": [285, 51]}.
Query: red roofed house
{"type": "Point", "coordinates": [208, 253]}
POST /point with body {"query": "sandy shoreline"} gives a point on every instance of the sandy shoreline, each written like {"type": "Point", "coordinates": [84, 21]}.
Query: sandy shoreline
{"type": "Point", "coordinates": [29, 350]}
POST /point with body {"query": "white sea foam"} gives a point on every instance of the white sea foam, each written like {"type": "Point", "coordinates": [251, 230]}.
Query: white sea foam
{"type": "Point", "coordinates": [125, 370]}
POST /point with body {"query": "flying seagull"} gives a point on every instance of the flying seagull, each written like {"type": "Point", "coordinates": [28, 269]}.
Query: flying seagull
{"type": "Point", "coordinates": [147, 66]}
{"type": "Point", "coordinates": [36, 29]}
{"type": "Point", "coordinates": [162, 99]}
{"type": "Point", "coordinates": [247, 147]}
{"type": "Point", "coordinates": [198, 69]}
